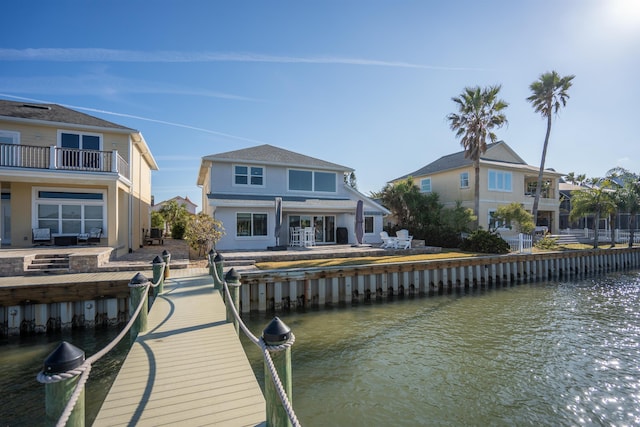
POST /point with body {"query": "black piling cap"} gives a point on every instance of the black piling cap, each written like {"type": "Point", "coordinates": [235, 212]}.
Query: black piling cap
{"type": "Point", "coordinates": [138, 280]}
{"type": "Point", "coordinates": [63, 358]}
{"type": "Point", "coordinates": [165, 253]}
{"type": "Point", "coordinates": [218, 258]}
{"type": "Point", "coordinates": [276, 332]}
{"type": "Point", "coordinates": [157, 260]}
{"type": "Point", "coordinates": [232, 276]}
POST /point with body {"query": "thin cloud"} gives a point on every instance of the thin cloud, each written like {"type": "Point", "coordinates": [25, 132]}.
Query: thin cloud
{"type": "Point", "coordinates": [104, 85]}
{"type": "Point", "coordinates": [117, 55]}
{"type": "Point", "coordinates": [131, 116]}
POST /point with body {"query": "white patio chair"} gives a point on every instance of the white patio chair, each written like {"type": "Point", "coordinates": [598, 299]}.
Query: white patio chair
{"type": "Point", "coordinates": [294, 236]}
{"type": "Point", "coordinates": [388, 242]}
{"type": "Point", "coordinates": [404, 240]}
{"type": "Point", "coordinates": [309, 237]}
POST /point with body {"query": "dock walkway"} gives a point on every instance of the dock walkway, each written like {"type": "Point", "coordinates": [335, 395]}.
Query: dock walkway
{"type": "Point", "coordinates": [189, 368]}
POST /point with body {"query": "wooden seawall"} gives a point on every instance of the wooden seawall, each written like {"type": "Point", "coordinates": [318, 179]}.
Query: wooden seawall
{"type": "Point", "coordinates": [277, 290]}
{"type": "Point", "coordinates": [189, 368]}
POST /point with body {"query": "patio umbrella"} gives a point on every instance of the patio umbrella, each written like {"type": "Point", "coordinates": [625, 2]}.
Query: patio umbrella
{"type": "Point", "coordinates": [359, 222]}
{"type": "Point", "coordinates": [278, 219]}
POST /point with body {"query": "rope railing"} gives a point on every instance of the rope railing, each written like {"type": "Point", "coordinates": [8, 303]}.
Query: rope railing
{"type": "Point", "coordinates": [265, 348]}
{"type": "Point", "coordinates": [138, 281]}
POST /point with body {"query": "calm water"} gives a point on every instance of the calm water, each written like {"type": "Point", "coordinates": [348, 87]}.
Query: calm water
{"type": "Point", "coordinates": [22, 402]}
{"type": "Point", "coordinates": [534, 354]}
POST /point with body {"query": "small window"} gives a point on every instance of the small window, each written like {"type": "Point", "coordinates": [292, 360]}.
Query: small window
{"type": "Point", "coordinates": [300, 180]}
{"type": "Point", "coordinates": [425, 185]}
{"type": "Point", "coordinates": [325, 181]}
{"type": "Point", "coordinates": [464, 180]}
{"type": "Point", "coordinates": [248, 175]}
{"type": "Point", "coordinates": [368, 224]}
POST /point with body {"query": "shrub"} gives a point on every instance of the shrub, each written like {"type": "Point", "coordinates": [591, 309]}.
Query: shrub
{"type": "Point", "coordinates": [485, 242]}
{"type": "Point", "coordinates": [547, 243]}
{"type": "Point", "coordinates": [178, 229]}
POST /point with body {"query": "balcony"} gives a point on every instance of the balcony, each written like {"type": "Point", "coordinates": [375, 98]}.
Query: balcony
{"type": "Point", "coordinates": [547, 191]}
{"type": "Point", "coordinates": [58, 158]}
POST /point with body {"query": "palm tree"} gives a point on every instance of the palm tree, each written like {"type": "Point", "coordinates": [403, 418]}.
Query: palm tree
{"type": "Point", "coordinates": [479, 112]}
{"type": "Point", "coordinates": [627, 196]}
{"type": "Point", "coordinates": [549, 94]}
{"type": "Point", "coordinates": [595, 198]}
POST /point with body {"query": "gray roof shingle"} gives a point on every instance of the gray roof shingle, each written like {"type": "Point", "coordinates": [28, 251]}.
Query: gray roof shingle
{"type": "Point", "coordinates": [268, 154]}
{"type": "Point", "coordinates": [53, 113]}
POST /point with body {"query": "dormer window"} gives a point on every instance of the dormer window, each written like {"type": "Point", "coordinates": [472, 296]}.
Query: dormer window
{"type": "Point", "coordinates": [248, 175]}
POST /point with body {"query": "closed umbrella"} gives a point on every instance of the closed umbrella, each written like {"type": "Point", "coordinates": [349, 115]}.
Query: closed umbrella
{"type": "Point", "coordinates": [278, 219]}
{"type": "Point", "coordinates": [359, 222]}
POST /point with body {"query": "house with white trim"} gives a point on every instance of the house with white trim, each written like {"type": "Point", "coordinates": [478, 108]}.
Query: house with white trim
{"type": "Point", "coordinates": [240, 188]}
{"type": "Point", "coordinates": [504, 178]}
{"type": "Point", "coordinates": [70, 172]}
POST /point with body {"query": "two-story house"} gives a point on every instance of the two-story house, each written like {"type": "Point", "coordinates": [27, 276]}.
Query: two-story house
{"type": "Point", "coordinates": [504, 178]}
{"type": "Point", "coordinates": [181, 201]}
{"type": "Point", "coordinates": [240, 189]}
{"type": "Point", "coordinates": [70, 173]}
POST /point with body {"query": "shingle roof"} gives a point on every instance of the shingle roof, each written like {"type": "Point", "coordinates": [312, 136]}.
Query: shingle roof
{"type": "Point", "coordinates": [53, 113]}
{"type": "Point", "coordinates": [268, 154]}
{"type": "Point", "coordinates": [450, 161]}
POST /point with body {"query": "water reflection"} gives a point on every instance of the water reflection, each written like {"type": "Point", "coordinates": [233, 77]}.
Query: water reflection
{"type": "Point", "coordinates": [21, 359]}
{"type": "Point", "coordinates": [551, 354]}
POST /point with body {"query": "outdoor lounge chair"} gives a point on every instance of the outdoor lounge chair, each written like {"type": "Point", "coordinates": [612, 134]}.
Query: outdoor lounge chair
{"type": "Point", "coordinates": [388, 242]}
{"type": "Point", "coordinates": [41, 236]}
{"type": "Point", "coordinates": [404, 240]}
{"type": "Point", "coordinates": [93, 236]}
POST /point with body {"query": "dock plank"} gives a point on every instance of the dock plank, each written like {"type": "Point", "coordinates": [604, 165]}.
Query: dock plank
{"type": "Point", "coordinates": [189, 368]}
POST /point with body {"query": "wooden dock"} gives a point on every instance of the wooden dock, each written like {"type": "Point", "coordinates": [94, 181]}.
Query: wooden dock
{"type": "Point", "coordinates": [189, 368]}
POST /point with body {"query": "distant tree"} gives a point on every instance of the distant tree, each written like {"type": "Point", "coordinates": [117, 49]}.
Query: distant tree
{"type": "Point", "coordinates": [514, 213]}
{"type": "Point", "coordinates": [597, 199]}
{"type": "Point", "coordinates": [479, 112]}
{"type": "Point", "coordinates": [350, 180]}
{"type": "Point", "coordinates": [550, 92]}
{"type": "Point", "coordinates": [627, 196]}
{"type": "Point", "coordinates": [172, 212]}
{"type": "Point", "coordinates": [572, 178]}
{"type": "Point", "coordinates": [202, 232]}
{"type": "Point", "coordinates": [157, 220]}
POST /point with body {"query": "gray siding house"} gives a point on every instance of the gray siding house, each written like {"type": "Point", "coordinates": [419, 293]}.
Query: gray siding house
{"type": "Point", "coordinates": [240, 188]}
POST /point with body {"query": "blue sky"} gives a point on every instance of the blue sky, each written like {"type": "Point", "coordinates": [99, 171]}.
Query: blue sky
{"type": "Point", "coordinates": [366, 84]}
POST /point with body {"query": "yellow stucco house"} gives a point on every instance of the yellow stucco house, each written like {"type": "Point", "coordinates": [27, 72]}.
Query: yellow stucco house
{"type": "Point", "coordinates": [504, 178]}
{"type": "Point", "coordinates": [71, 173]}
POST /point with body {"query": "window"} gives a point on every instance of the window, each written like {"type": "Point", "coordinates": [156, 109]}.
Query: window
{"type": "Point", "coordinates": [251, 224]}
{"type": "Point", "coordinates": [494, 223]}
{"type": "Point", "coordinates": [464, 180]}
{"type": "Point", "coordinates": [499, 180]}
{"type": "Point", "coordinates": [9, 151]}
{"type": "Point", "coordinates": [425, 185]}
{"type": "Point", "coordinates": [248, 175]}
{"type": "Point", "coordinates": [368, 224]}
{"type": "Point", "coordinates": [73, 142]}
{"type": "Point", "coordinates": [300, 180]}
{"type": "Point", "coordinates": [67, 212]}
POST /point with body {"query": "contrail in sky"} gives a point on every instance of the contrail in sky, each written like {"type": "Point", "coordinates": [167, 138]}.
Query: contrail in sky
{"type": "Point", "coordinates": [131, 116]}
{"type": "Point", "coordinates": [117, 55]}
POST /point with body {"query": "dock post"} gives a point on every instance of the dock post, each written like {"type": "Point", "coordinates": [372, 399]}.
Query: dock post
{"type": "Point", "coordinates": [136, 289]}
{"type": "Point", "coordinates": [158, 276]}
{"type": "Point", "coordinates": [233, 282]}
{"type": "Point", "coordinates": [276, 333]}
{"type": "Point", "coordinates": [57, 393]}
{"type": "Point", "coordinates": [166, 257]}
{"type": "Point", "coordinates": [218, 262]}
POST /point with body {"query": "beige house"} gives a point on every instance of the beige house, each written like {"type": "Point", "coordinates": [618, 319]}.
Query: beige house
{"type": "Point", "coordinates": [504, 178]}
{"type": "Point", "coordinates": [71, 173]}
{"type": "Point", "coordinates": [181, 201]}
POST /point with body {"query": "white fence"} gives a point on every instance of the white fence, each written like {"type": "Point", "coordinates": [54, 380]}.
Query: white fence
{"type": "Point", "coordinates": [604, 235]}
{"type": "Point", "coordinates": [522, 243]}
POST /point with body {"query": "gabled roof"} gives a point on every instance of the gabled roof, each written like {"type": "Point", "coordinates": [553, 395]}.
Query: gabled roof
{"type": "Point", "coordinates": [55, 115]}
{"type": "Point", "coordinates": [457, 160]}
{"type": "Point", "coordinates": [268, 154]}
